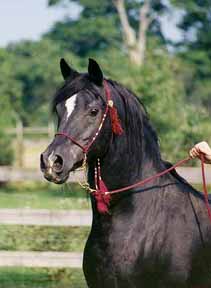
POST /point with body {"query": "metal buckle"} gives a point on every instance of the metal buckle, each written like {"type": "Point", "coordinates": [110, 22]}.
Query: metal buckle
{"type": "Point", "coordinates": [84, 184]}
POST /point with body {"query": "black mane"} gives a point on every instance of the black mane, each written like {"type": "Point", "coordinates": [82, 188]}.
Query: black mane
{"type": "Point", "coordinates": [157, 234]}
{"type": "Point", "coordinates": [132, 111]}
{"type": "Point", "coordinates": [139, 124]}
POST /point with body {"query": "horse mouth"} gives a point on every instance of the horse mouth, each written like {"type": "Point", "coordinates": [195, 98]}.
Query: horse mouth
{"type": "Point", "coordinates": [56, 179]}
{"type": "Point", "coordinates": [62, 177]}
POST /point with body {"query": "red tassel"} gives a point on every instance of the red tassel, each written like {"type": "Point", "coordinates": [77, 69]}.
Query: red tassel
{"type": "Point", "coordinates": [115, 121]}
{"type": "Point", "coordinates": [101, 198]}
{"type": "Point", "coordinates": [103, 189]}
{"type": "Point", "coordinates": [102, 207]}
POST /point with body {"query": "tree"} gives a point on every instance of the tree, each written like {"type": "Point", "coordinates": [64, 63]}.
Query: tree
{"type": "Point", "coordinates": [95, 30]}
{"type": "Point", "coordinates": [35, 68]}
{"type": "Point", "coordinates": [10, 89]}
{"type": "Point", "coordinates": [196, 25]}
{"type": "Point", "coordinates": [159, 85]}
{"type": "Point", "coordinates": [98, 26]}
{"type": "Point", "coordinates": [136, 41]}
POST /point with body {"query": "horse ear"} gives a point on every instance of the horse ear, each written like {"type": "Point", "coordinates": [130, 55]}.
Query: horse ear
{"type": "Point", "coordinates": [95, 73]}
{"type": "Point", "coordinates": [66, 70]}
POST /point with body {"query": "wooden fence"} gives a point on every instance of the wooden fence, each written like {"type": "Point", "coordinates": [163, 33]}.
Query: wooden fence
{"type": "Point", "coordinates": [44, 217]}
{"type": "Point", "coordinates": [41, 259]}
{"type": "Point", "coordinates": [191, 174]}
{"type": "Point", "coordinates": [55, 218]}
{"type": "Point", "coordinates": [48, 218]}
{"type": "Point", "coordinates": [20, 132]}
{"type": "Point", "coordinates": [12, 174]}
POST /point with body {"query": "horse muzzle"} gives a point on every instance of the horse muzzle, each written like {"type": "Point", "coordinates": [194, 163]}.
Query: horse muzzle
{"type": "Point", "coordinates": [52, 166]}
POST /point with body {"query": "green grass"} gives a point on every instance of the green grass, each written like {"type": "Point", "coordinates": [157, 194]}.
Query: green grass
{"type": "Point", "coordinates": [199, 187]}
{"type": "Point", "coordinates": [43, 196]}
{"type": "Point", "coordinates": [39, 238]}
{"type": "Point", "coordinates": [47, 196]}
{"type": "Point", "coordinates": [41, 278]}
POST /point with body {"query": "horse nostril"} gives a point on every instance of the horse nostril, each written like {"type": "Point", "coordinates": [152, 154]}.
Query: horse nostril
{"type": "Point", "coordinates": [58, 164]}
{"type": "Point", "coordinates": [42, 162]}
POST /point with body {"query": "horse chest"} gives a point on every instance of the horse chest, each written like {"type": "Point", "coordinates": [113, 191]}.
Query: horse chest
{"type": "Point", "coordinates": [107, 264]}
{"type": "Point", "coordinates": [119, 263]}
{"type": "Point", "coordinates": [127, 249]}
{"type": "Point", "coordinates": [119, 253]}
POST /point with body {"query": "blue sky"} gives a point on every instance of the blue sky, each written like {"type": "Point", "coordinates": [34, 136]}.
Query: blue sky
{"type": "Point", "coordinates": [29, 19]}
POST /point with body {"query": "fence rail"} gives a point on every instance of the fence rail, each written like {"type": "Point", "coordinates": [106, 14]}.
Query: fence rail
{"type": "Point", "coordinates": [31, 130]}
{"type": "Point", "coordinates": [41, 259]}
{"type": "Point", "coordinates": [56, 218]}
{"type": "Point", "coordinates": [191, 174]}
{"type": "Point", "coordinates": [20, 132]}
{"type": "Point", "coordinates": [11, 174]}
{"type": "Point", "coordinates": [44, 217]}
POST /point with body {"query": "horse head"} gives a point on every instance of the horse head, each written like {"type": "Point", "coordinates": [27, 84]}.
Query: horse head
{"type": "Point", "coordinates": [79, 107]}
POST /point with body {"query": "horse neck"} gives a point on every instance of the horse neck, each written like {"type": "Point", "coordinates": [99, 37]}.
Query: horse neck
{"type": "Point", "coordinates": [123, 165]}
{"type": "Point", "coordinates": [132, 156]}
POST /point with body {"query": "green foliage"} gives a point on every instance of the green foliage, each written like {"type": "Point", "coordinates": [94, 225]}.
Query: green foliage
{"type": "Point", "coordinates": [10, 89]}
{"type": "Point", "coordinates": [160, 86]}
{"type": "Point", "coordinates": [35, 67]}
{"type": "Point", "coordinates": [98, 27]}
{"type": "Point", "coordinates": [97, 36]}
{"type": "Point", "coordinates": [196, 24]}
{"type": "Point", "coordinates": [43, 196]}
{"type": "Point", "coordinates": [174, 88]}
{"type": "Point", "coordinates": [53, 2]}
{"type": "Point", "coordinates": [6, 151]}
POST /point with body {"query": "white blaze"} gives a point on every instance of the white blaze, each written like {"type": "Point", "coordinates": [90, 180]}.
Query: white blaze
{"type": "Point", "coordinates": [70, 105]}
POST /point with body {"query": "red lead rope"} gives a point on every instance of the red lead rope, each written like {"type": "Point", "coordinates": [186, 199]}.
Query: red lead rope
{"type": "Point", "coordinates": [149, 179]}
{"type": "Point", "coordinates": [99, 194]}
{"type": "Point", "coordinates": [205, 187]}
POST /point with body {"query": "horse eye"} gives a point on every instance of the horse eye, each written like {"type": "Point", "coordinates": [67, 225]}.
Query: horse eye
{"type": "Point", "coordinates": [94, 112]}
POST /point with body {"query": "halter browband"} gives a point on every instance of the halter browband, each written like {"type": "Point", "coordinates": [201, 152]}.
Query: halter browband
{"type": "Point", "coordinates": [109, 104]}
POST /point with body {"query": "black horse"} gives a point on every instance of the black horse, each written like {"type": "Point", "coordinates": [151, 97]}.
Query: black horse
{"type": "Point", "coordinates": [157, 235]}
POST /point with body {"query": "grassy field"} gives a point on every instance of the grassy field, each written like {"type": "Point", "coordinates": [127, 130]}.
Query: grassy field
{"type": "Point", "coordinates": [47, 196]}
{"type": "Point", "coordinates": [43, 196]}
{"type": "Point", "coordinates": [41, 278]}
{"type": "Point", "coordinates": [36, 238]}
{"type": "Point", "coordinates": [42, 238]}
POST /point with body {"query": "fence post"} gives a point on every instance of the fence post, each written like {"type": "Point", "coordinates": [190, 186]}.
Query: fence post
{"type": "Point", "coordinates": [20, 148]}
{"type": "Point", "coordinates": [50, 130]}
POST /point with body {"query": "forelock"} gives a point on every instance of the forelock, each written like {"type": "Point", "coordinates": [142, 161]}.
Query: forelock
{"type": "Point", "coordinates": [73, 87]}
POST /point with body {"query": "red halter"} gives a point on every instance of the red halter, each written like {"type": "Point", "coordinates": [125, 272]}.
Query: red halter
{"type": "Point", "coordinates": [115, 122]}
{"type": "Point", "coordinates": [102, 194]}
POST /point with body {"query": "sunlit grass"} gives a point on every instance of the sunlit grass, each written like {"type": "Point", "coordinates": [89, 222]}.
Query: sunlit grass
{"type": "Point", "coordinates": [43, 196]}
{"type": "Point", "coordinates": [42, 238]}
{"type": "Point", "coordinates": [199, 187]}
{"type": "Point", "coordinates": [41, 278]}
